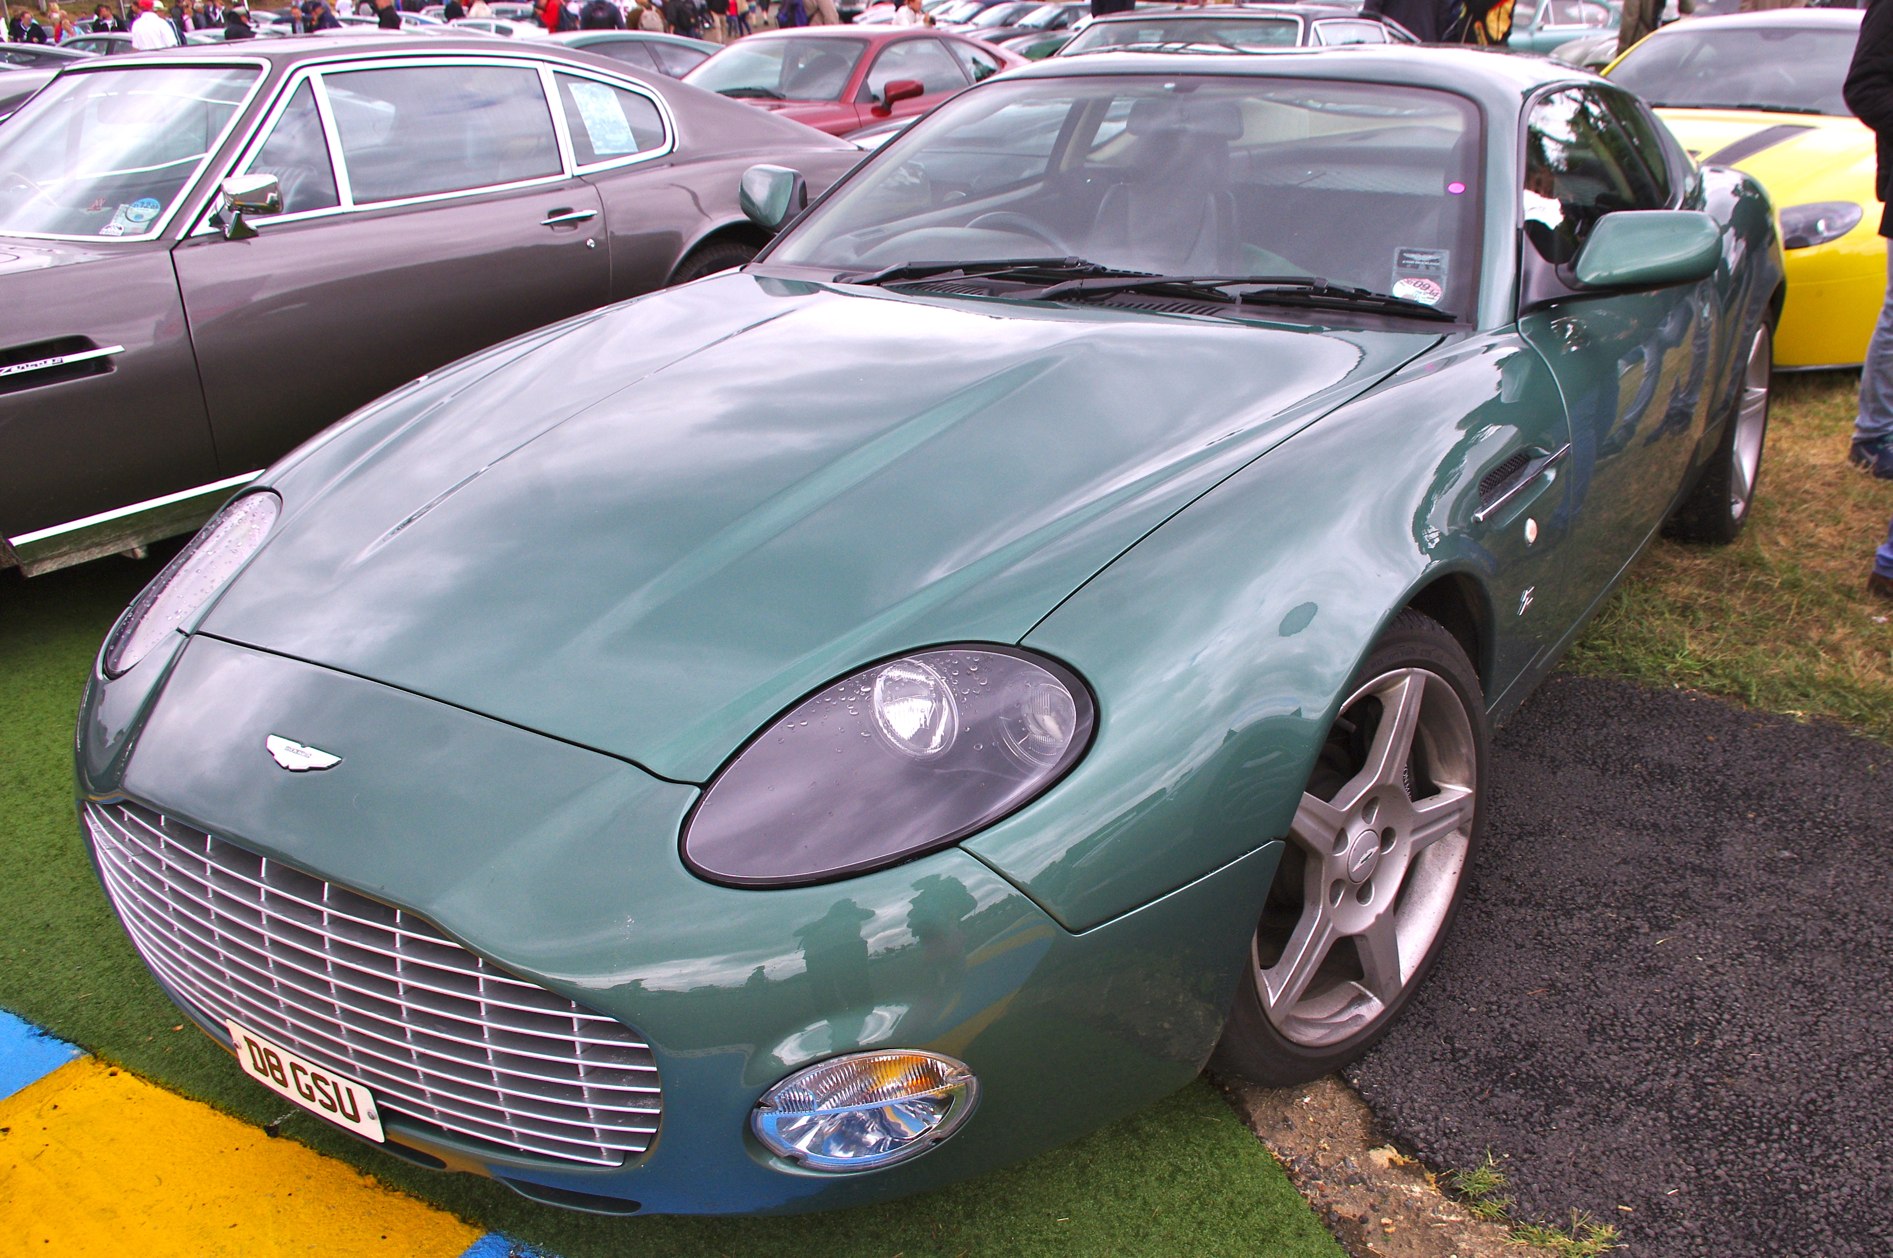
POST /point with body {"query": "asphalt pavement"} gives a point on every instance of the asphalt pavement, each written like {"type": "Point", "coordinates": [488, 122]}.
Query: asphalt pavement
{"type": "Point", "coordinates": [1665, 1002]}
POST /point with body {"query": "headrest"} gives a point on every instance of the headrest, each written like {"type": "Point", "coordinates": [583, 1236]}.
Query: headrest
{"type": "Point", "coordinates": [1201, 119]}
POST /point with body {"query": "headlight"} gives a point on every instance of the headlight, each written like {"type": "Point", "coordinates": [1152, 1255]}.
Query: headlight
{"type": "Point", "coordinates": [189, 580]}
{"type": "Point", "coordinates": [1817, 222]}
{"type": "Point", "coordinates": [865, 1110]}
{"type": "Point", "coordinates": [897, 760]}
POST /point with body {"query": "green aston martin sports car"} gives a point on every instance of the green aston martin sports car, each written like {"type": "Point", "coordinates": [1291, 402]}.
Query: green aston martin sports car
{"type": "Point", "coordinates": [848, 723]}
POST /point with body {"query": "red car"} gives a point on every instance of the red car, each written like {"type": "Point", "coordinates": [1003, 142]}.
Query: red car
{"type": "Point", "coordinates": [839, 78]}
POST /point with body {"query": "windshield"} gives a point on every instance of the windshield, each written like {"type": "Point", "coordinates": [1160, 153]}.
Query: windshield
{"type": "Point", "coordinates": [1043, 17]}
{"type": "Point", "coordinates": [1799, 71]}
{"type": "Point", "coordinates": [781, 69]}
{"type": "Point", "coordinates": [1000, 15]}
{"type": "Point", "coordinates": [110, 153]}
{"type": "Point", "coordinates": [1361, 184]}
{"type": "Point", "coordinates": [1241, 35]}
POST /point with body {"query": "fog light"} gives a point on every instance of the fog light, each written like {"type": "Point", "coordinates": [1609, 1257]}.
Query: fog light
{"type": "Point", "coordinates": [866, 1110]}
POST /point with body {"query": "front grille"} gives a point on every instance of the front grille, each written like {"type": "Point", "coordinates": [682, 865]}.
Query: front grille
{"type": "Point", "coordinates": [439, 1035]}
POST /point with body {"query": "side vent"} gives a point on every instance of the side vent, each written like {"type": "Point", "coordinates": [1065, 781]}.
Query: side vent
{"type": "Point", "coordinates": [54, 362]}
{"type": "Point", "coordinates": [1496, 481]}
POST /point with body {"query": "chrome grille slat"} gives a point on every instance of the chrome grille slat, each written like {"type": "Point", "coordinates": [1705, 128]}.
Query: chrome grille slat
{"type": "Point", "coordinates": [280, 963]}
{"type": "Point", "coordinates": [439, 1034]}
{"type": "Point", "coordinates": [260, 995]}
{"type": "Point", "coordinates": [266, 890]}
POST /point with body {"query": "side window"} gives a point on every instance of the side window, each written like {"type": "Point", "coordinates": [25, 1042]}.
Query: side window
{"type": "Point", "coordinates": [633, 53]}
{"type": "Point", "coordinates": [980, 65]}
{"type": "Point", "coordinates": [424, 130]}
{"type": "Point", "coordinates": [608, 122]}
{"type": "Point", "coordinates": [1580, 164]}
{"type": "Point", "coordinates": [676, 61]}
{"type": "Point", "coordinates": [921, 59]}
{"type": "Point", "coordinates": [297, 153]}
{"type": "Point", "coordinates": [1330, 34]}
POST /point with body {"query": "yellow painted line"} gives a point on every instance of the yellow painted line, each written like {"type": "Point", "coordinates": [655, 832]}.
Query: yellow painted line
{"type": "Point", "coordinates": [94, 1161]}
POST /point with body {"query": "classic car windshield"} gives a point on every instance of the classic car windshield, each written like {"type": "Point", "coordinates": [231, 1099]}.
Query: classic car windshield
{"type": "Point", "coordinates": [781, 69]}
{"type": "Point", "coordinates": [1799, 71]}
{"type": "Point", "coordinates": [1243, 35]}
{"type": "Point", "coordinates": [1362, 184]}
{"type": "Point", "coordinates": [108, 153]}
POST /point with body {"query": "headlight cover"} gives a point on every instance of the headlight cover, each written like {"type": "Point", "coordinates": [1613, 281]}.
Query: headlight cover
{"type": "Point", "coordinates": [892, 762]}
{"type": "Point", "coordinates": [189, 580]}
{"type": "Point", "coordinates": [1817, 222]}
{"type": "Point", "coordinates": [865, 1110]}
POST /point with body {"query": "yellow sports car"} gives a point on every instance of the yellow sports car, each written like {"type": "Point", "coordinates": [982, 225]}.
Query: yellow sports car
{"type": "Point", "coordinates": [1762, 92]}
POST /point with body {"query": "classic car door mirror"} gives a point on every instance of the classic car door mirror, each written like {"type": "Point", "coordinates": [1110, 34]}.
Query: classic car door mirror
{"type": "Point", "coordinates": [772, 195]}
{"type": "Point", "coordinates": [895, 92]}
{"type": "Point", "coordinates": [1649, 249]}
{"type": "Point", "coordinates": [247, 194]}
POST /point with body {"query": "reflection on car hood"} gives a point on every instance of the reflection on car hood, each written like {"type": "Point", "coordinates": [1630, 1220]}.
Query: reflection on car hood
{"type": "Point", "coordinates": [18, 254]}
{"type": "Point", "coordinates": [653, 532]}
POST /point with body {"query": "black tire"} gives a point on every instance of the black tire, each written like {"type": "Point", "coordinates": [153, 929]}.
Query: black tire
{"type": "Point", "coordinates": [1718, 506]}
{"type": "Point", "coordinates": [721, 255]}
{"type": "Point", "coordinates": [1375, 863]}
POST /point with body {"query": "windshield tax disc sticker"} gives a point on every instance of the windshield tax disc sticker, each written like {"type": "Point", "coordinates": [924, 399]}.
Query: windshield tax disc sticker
{"type": "Point", "coordinates": [1420, 289]}
{"type": "Point", "coordinates": [1420, 274]}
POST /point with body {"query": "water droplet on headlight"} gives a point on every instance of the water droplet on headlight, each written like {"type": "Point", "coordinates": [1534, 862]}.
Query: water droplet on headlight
{"type": "Point", "coordinates": [914, 709]}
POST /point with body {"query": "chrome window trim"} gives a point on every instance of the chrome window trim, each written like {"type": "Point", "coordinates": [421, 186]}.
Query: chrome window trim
{"type": "Point", "coordinates": [668, 147]}
{"type": "Point", "coordinates": [319, 74]}
{"type": "Point", "coordinates": [193, 184]}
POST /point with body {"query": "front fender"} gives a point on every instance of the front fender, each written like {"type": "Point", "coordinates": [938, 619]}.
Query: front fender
{"type": "Point", "coordinates": [1221, 646]}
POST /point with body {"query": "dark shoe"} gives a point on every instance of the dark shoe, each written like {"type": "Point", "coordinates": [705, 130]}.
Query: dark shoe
{"type": "Point", "coordinates": [1879, 586]}
{"type": "Point", "coordinates": [1876, 456]}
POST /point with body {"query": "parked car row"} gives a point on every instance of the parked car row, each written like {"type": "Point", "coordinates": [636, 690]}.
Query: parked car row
{"type": "Point", "coordinates": [306, 224]}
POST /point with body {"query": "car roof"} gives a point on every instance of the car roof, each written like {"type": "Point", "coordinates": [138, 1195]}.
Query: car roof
{"type": "Point", "coordinates": [281, 53]}
{"type": "Point", "coordinates": [1770, 19]}
{"type": "Point", "coordinates": [879, 33]}
{"type": "Point", "coordinates": [1494, 77]}
{"type": "Point", "coordinates": [1224, 12]}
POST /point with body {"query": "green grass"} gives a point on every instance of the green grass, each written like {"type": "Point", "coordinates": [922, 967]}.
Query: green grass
{"type": "Point", "coordinates": [1482, 1190]}
{"type": "Point", "coordinates": [1780, 620]}
{"type": "Point", "coordinates": [1185, 1176]}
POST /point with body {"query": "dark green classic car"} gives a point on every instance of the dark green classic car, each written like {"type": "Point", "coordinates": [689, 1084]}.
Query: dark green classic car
{"type": "Point", "coordinates": [843, 725]}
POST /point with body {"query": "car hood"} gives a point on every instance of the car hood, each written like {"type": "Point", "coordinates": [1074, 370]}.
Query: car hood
{"type": "Point", "coordinates": [1781, 150]}
{"type": "Point", "coordinates": [653, 531]}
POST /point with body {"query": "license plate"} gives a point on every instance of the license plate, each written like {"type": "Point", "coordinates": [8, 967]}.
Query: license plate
{"type": "Point", "coordinates": [320, 1091]}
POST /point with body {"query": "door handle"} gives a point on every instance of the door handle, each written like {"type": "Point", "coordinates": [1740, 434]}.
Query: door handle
{"type": "Point", "coordinates": [1520, 480]}
{"type": "Point", "coordinates": [563, 217]}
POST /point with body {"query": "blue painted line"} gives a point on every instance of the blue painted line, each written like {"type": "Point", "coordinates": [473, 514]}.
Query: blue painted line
{"type": "Point", "coordinates": [28, 1054]}
{"type": "Point", "coordinates": [493, 1245]}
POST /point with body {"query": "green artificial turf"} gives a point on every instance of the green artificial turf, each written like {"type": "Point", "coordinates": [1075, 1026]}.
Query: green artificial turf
{"type": "Point", "coordinates": [1184, 1176]}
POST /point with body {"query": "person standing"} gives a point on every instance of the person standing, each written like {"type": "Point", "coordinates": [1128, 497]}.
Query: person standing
{"type": "Point", "coordinates": [823, 13]}
{"type": "Point", "coordinates": [1431, 21]}
{"type": "Point", "coordinates": [911, 14]}
{"type": "Point", "coordinates": [149, 30]}
{"type": "Point", "coordinates": [25, 29]}
{"type": "Point", "coordinates": [103, 20]}
{"type": "Point", "coordinates": [601, 15]}
{"type": "Point", "coordinates": [1869, 93]}
{"type": "Point", "coordinates": [236, 24]}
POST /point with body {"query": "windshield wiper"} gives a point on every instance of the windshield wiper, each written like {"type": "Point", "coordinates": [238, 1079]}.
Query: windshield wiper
{"type": "Point", "coordinates": [764, 93]}
{"type": "Point", "coordinates": [1291, 289]}
{"type": "Point", "coordinates": [983, 268]}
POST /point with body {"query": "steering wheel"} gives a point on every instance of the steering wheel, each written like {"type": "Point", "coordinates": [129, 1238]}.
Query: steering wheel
{"type": "Point", "coordinates": [13, 179]}
{"type": "Point", "coordinates": [1022, 224]}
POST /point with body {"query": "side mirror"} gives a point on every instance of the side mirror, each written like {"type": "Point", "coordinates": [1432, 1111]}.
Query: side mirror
{"type": "Point", "coordinates": [1649, 249]}
{"type": "Point", "coordinates": [772, 195]}
{"type": "Point", "coordinates": [895, 92]}
{"type": "Point", "coordinates": [247, 194]}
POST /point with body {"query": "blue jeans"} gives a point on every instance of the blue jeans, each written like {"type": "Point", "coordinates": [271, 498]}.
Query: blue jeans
{"type": "Point", "coordinates": [1883, 557]}
{"type": "Point", "coordinates": [1874, 420]}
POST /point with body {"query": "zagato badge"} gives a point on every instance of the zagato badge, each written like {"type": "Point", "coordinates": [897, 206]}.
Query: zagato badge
{"type": "Point", "coordinates": [298, 758]}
